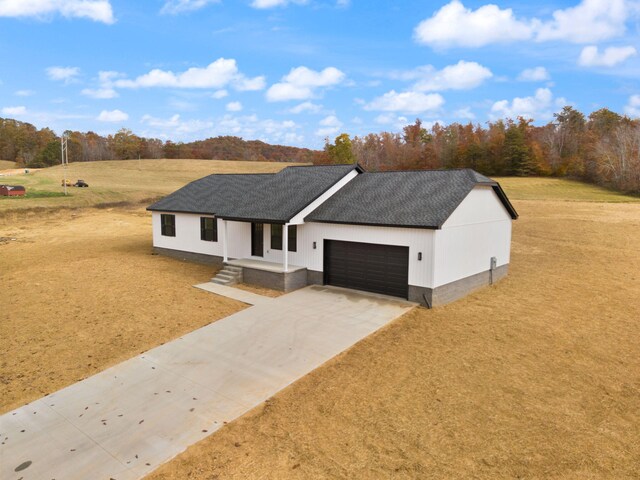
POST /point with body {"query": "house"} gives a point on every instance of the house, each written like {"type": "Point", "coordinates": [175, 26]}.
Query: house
{"type": "Point", "coordinates": [12, 190]}
{"type": "Point", "coordinates": [427, 236]}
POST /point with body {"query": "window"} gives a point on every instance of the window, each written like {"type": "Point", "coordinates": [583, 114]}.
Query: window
{"type": "Point", "coordinates": [293, 238]}
{"type": "Point", "coordinates": [276, 237]}
{"type": "Point", "coordinates": [168, 225]}
{"type": "Point", "coordinates": [208, 229]}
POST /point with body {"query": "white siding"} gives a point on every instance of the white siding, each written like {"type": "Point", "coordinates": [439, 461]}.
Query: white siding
{"type": "Point", "coordinates": [188, 236]}
{"type": "Point", "coordinates": [418, 240]}
{"type": "Point", "coordinates": [481, 205]}
{"type": "Point", "coordinates": [295, 258]}
{"type": "Point", "coordinates": [480, 228]}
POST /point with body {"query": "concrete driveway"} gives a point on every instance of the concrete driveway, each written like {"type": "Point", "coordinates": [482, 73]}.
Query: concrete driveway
{"type": "Point", "coordinates": [127, 420]}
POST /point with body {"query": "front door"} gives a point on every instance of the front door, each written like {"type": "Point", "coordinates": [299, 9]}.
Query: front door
{"type": "Point", "coordinates": [257, 240]}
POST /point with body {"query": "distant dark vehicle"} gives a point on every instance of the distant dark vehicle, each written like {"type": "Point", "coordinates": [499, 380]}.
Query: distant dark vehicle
{"type": "Point", "coordinates": [81, 183]}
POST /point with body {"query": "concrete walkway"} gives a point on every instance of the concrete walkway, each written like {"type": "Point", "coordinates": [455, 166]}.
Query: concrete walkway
{"type": "Point", "coordinates": [127, 420]}
{"type": "Point", "coordinates": [235, 293]}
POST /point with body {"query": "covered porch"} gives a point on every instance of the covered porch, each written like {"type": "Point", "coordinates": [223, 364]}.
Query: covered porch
{"type": "Point", "coordinates": [270, 274]}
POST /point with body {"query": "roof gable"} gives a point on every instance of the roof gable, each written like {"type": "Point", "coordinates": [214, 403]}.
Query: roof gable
{"type": "Point", "coordinates": [271, 198]}
{"type": "Point", "coordinates": [422, 199]}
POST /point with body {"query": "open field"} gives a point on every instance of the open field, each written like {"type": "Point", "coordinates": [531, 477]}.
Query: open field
{"type": "Point", "coordinates": [535, 377]}
{"type": "Point", "coordinates": [81, 291]}
{"type": "Point", "coordinates": [131, 181]}
{"type": "Point", "coordinates": [6, 164]}
{"type": "Point", "coordinates": [545, 188]}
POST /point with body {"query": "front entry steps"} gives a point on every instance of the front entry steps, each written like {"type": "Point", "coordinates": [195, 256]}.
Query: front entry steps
{"type": "Point", "coordinates": [229, 275]}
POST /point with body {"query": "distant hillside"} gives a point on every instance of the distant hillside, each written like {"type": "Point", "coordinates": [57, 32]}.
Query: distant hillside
{"type": "Point", "coordinates": [23, 143]}
{"type": "Point", "coordinates": [235, 148]}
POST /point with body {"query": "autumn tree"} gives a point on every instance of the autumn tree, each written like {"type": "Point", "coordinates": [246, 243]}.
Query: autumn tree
{"type": "Point", "coordinates": [340, 151]}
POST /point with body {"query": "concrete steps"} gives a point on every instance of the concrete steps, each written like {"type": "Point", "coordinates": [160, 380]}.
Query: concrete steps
{"type": "Point", "coordinates": [229, 275]}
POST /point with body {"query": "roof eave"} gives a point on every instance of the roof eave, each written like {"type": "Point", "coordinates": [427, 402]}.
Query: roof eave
{"type": "Point", "coordinates": [253, 220]}
{"type": "Point", "coordinates": [505, 201]}
{"type": "Point", "coordinates": [171, 210]}
{"type": "Point", "coordinates": [373, 224]}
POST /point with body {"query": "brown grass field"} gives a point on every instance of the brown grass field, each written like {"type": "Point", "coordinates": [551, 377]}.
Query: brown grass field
{"type": "Point", "coordinates": [535, 377]}
{"type": "Point", "coordinates": [6, 164]}
{"type": "Point", "coordinates": [120, 181]}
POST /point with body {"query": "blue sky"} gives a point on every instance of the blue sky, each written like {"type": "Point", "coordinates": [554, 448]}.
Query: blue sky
{"type": "Point", "coordinates": [295, 71]}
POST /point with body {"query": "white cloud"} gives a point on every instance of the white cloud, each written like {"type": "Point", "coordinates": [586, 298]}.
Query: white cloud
{"type": "Point", "coordinates": [329, 125]}
{"type": "Point", "coordinates": [173, 7]}
{"type": "Point", "coordinates": [461, 76]}
{"type": "Point", "coordinates": [176, 125]}
{"type": "Point", "coordinates": [398, 122]}
{"type": "Point", "coordinates": [247, 126]}
{"type": "Point", "coordinates": [14, 111]}
{"type": "Point", "coordinates": [250, 84]}
{"type": "Point", "coordinates": [112, 116]}
{"type": "Point", "coordinates": [234, 107]}
{"type": "Point", "coordinates": [105, 89]}
{"type": "Point", "coordinates": [633, 106]}
{"type": "Point", "coordinates": [536, 74]}
{"type": "Point", "coordinates": [537, 107]}
{"type": "Point", "coordinates": [218, 94]}
{"type": "Point", "coordinates": [306, 107]}
{"type": "Point", "coordinates": [217, 74]}
{"type": "Point", "coordinates": [65, 74]}
{"type": "Point", "coordinates": [100, 93]}
{"type": "Point", "coordinates": [610, 56]}
{"type": "Point", "coordinates": [97, 10]}
{"type": "Point", "coordinates": [24, 93]}
{"type": "Point", "coordinates": [464, 113]}
{"type": "Point", "coordinates": [407, 102]}
{"type": "Point", "coordinates": [301, 82]}
{"type": "Point", "coordinates": [454, 25]}
{"type": "Point", "coordinates": [589, 21]}
{"type": "Point", "coordinates": [264, 4]}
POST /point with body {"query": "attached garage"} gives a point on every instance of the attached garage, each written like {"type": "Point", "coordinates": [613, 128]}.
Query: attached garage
{"type": "Point", "coordinates": [365, 266]}
{"type": "Point", "coordinates": [426, 236]}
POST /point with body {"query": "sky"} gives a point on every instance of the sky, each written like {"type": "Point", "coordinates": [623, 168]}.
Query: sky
{"type": "Point", "coordinates": [295, 72]}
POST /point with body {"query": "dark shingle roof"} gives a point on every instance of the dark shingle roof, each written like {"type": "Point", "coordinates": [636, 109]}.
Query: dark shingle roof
{"type": "Point", "coordinates": [403, 199]}
{"type": "Point", "coordinates": [260, 197]}
{"type": "Point", "coordinates": [210, 194]}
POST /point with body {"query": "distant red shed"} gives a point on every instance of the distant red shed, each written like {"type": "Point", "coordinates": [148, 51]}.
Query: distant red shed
{"type": "Point", "coordinates": [12, 190]}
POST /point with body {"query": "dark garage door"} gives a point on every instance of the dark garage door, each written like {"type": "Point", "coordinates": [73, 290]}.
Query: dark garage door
{"type": "Point", "coordinates": [366, 266]}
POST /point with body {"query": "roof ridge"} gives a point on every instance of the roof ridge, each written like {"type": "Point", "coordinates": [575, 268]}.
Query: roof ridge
{"type": "Point", "coordinates": [324, 165]}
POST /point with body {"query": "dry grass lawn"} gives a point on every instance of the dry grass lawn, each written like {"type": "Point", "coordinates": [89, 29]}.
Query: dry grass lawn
{"type": "Point", "coordinates": [6, 165]}
{"type": "Point", "coordinates": [535, 377]}
{"type": "Point", "coordinates": [81, 291]}
{"type": "Point", "coordinates": [120, 181]}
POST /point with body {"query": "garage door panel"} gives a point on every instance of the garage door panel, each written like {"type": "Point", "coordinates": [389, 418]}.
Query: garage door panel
{"type": "Point", "coordinates": [365, 266]}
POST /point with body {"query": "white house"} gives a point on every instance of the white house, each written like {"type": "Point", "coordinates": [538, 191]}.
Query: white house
{"type": "Point", "coordinates": [427, 236]}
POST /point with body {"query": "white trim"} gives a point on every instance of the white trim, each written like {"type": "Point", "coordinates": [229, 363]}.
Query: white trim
{"type": "Point", "coordinates": [299, 218]}
{"type": "Point", "coordinates": [225, 242]}
{"type": "Point", "coordinates": [285, 247]}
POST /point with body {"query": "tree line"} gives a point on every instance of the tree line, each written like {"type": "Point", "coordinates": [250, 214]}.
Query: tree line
{"type": "Point", "coordinates": [23, 143]}
{"type": "Point", "coordinates": [603, 148]}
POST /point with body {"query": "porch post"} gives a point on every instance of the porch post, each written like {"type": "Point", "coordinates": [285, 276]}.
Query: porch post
{"type": "Point", "coordinates": [225, 241]}
{"type": "Point", "coordinates": [285, 247]}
